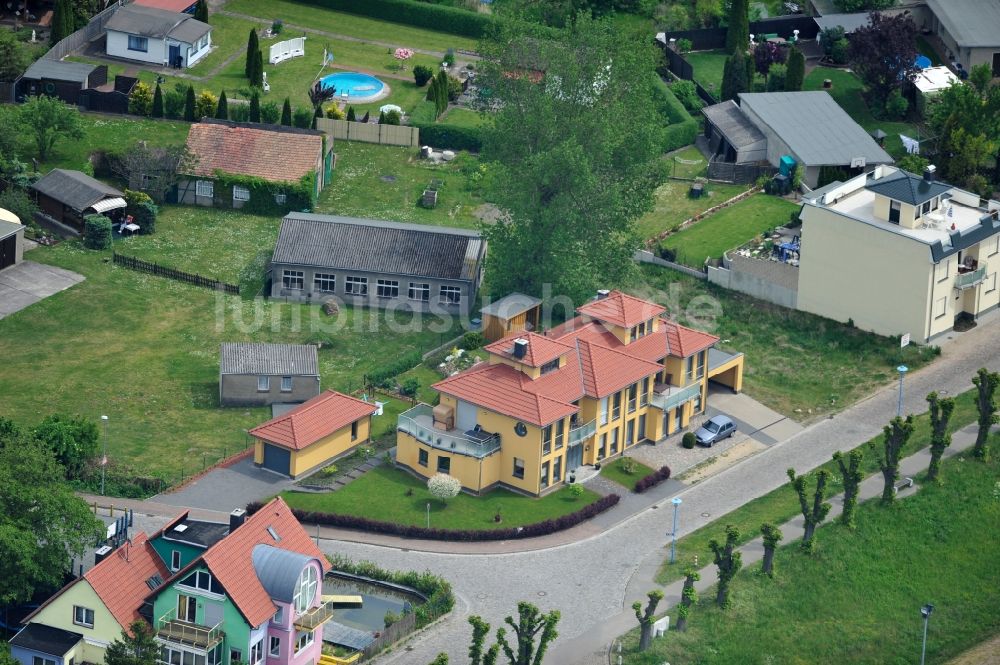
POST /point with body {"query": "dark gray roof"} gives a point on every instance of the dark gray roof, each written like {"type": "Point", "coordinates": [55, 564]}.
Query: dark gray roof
{"type": "Point", "coordinates": [353, 638]}
{"type": "Point", "coordinates": [511, 305]}
{"type": "Point", "coordinates": [849, 22]}
{"type": "Point", "coordinates": [157, 23]}
{"type": "Point", "coordinates": [8, 228]}
{"type": "Point", "coordinates": [46, 639]}
{"type": "Point", "coordinates": [735, 126]}
{"type": "Point", "coordinates": [197, 532]}
{"type": "Point", "coordinates": [907, 188]}
{"type": "Point", "coordinates": [59, 70]}
{"type": "Point", "coordinates": [366, 245]}
{"type": "Point", "coordinates": [269, 359]}
{"type": "Point", "coordinates": [278, 570]}
{"type": "Point", "coordinates": [971, 23]}
{"type": "Point", "coordinates": [814, 127]}
{"type": "Point", "coordinates": [988, 226]}
{"type": "Point", "coordinates": [75, 189]}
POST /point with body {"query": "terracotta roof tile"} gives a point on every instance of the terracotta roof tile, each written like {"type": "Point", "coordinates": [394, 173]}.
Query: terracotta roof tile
{"type": "Point", "coordinates": [621, 309]}
{"type": "Point", "coordinates": [684, 341]}
{"type": "Point", "coordinates": [231, 559]}
{"type": "Point", "coordinates": [311, 421]}
{"type": "Point", "coordinates": [275, 156]}
{"type": "Point", "coordinates": [606, 371]}
{"type": "Point", "coordinates": [120, 580]}
{"type": "Point", "coordinates": [541, 349]}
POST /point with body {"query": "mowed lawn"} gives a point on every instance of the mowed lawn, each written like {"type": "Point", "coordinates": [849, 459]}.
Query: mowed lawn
{"type": "Point", "coordinates": [729, 228]}
{"type": "Point", "coordinates": [708, 66]}
{"type": "Point", "coordinates": [782, 504]}
{"type": "Point", "coordinates": [857, 599]}
{"type": "Point", "coordinates": [109, 132]}
{"type": "Point", "coordinates": [799, 364]}
{"type": "Point", "coordinates": [672, 205]}
{"type": "Point", "coordinates": [616, 472]}
{"type": "Point", "coordinates": [382, 494]}
{"type": "Point", "coordinates": [386, 182]}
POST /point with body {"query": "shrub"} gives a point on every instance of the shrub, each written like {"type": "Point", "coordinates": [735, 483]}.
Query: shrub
{"type": "Point", "coordinates": [687, 94]}
{"type": "Point", "coordinates": [684, 45]}
{"type": "Point", "coordinates": [689, 440]}
{"type": "Point", "coordinates": [330, 471]}
{"type": "Point", "coordinates": [454, 88]}
{"type": "Point", "coordinates": [776, 77]}
{"type": "Point", "coordinates": [444, 487]}
{"type": "Point", "coordinates": [840, 51]}
{"type": "Point", "coordinates": [142, 209]}
{"type": "Point", "coordinates": [277, 26]}
{"type": "Point", "coordinates": [652, 479]}
{"type": "Point", "coordinates": [410, 387]}
{"type": "Point", "coordinates": [576, 489]}
{"type": "Point", "coordinates": [205, 105]}
{"type": "Point", "coordinates": [239, 112]}
{"type": "Point", "coordinates": [96, 232]}
{"type": "Point", "coordinates": [896, 105]}
{"type": "Point", "coordinates": [334, 112]}
{"type": "Point", "coordinates": [472, 340]}
{"type": "Point", "coordinates": [449, 57]}
{"type": "Point", "coordinates": [829, 37]}
{"type": "Point", "coordinates": [269, 113]}
{"type": "Point", "coordinates": [422, 74]}
{"type": "Point", "coordinates": [392, 118]}
{"type": "Point", "coordinates": [628, 465]}
{"type": "Point", "coordinates": [382, 377]}
{"type": "Point", "coordinates": [302, 118]}
{"type": "Point", "coordinates": [17, 201]}
{"type": "Point", "coordinates": [390, 618]}
{"type": "Point", "coordinates": [453, 137]}
{"type": "Point", "coordinates": [411, 12]}
{"type": "Point", "coordinates": [140, 100]}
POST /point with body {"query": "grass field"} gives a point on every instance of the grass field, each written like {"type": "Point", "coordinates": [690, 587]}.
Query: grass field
{"type": "Point", "coordinates": [680, 169]}
{"type": "Point", "coordinates": [729, 228]}
{"type": "Point", "coordinates": [708, 66]}
{"type": "Point", "coordinates": [381, 494]}
{"type": "Point", "coordinates": [672, 205]}
{"type": "Point", "coordinates": [857, 599]}
{"type": "Point", "coordinates": [615, 472]}
{"type": "Point", "coordinates": [782, 504]}
{"type": "Point", "coordinates": [426, 377]}
{"type": "Point", "coordinates": [385, 182]}
{"type": "Point", "coordinates": [844, 364]}
{"type": "Point", "coordinates": [229, 36]}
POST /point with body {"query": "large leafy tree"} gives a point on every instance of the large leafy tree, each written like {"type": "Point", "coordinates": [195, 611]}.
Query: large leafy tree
{"type": "Point", "coordinates": [966, 119]}
{"type": "Point", "coordinates": [43, 525]}
{"type": "Point", "coordinates": [13, 59]}
{"type": "Point", "coordinates": [72, 440]}
{"type": "Point", "coordinates": [137, 646]}
{"type": "Point", "coordinates": [570, 175]}
{"type": "Point", "coordinates": [47, 120]}
{"type": "Point", "coordinates": [531, 625]}
{"type": "Point", "coordinates": [883, 54]}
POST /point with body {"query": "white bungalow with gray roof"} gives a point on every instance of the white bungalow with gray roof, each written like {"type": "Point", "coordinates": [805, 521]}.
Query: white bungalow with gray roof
{"type": "Point", "coordinates": [365, 262]}
{"type": "Point", "coordinates": [809, 126]}
{"type": "Point", "coordinates": [970, 29]}
{"type": "Point", "coordinates": [252, 374]}
{"type": "Point", "coordinates": [157, 36]}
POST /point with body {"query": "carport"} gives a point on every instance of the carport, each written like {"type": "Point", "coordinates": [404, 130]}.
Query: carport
{"type": "Point", "coordinates": [725, 368]}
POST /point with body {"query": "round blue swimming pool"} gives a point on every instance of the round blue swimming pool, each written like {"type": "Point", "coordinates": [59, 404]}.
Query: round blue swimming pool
{"type": "Point", "coordinates": [359, 87]}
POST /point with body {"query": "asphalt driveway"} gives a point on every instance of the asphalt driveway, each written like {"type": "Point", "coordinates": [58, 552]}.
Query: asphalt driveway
{"type": "Point", "coordinates": [228, 488]}
{"type": "Point", "coordinates": [28, 282]}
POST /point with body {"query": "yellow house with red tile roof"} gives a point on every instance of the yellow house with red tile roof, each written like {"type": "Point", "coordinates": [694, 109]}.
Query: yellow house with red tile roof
{"type": "Point", "coordinates": [543, 405]}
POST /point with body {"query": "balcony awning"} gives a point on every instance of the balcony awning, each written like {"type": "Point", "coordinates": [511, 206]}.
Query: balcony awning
{"type": "Point", "coordinates": [105, 205]}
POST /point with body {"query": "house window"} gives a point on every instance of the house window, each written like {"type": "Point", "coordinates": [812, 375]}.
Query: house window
{"type": "Point", "coordinates": [279, 616]}
{"type": "Point", "coordinates": [38, 660]}
{"type": "Point", "coordinates": [326, 282]}
{"type": "Point", "coordinates": [275, 647]}
{"type": "Point", "coordinates": [642, 427]}
{"type": "Point", "coordinates": [602, 452]}
{"type": "Point", "coordinates": [240, 193]}
{"type": "Point", "coordinates": [560, 433]}
{"type": "Point", "coordinates": [450, 295]}
{"type": "Point", "coordinates": [550, 366]}
{"type": "Point", "coordinates": [235, 655]}
{"type": "Point", "coordinates": [83, 616]}
{"type": "Point", "coordinates": [292, 279]}
{"type": "Point", "coordinates": [357, 286]}
{"type": "Point", "coordinates": [633, 397]}
{"type": "Point", "coordinates": [518, 467]}
{"type": "Point", "coordinates": [444, 464]}
{"type": "Point", "coordinates": [421, 292]}
{"type": "Point", "coordinates": [644, 396]}
{"type": "Point", "coordinates": [629, 433]}
{"type": "Point", "coordinates": [547, 440]}
{"type": "Point", "coordinates": [175, 560]}
{"type": "Point", "coordinates": [302, 641]}
{"type": "Point", "coordinates": [557, 469]}
{"type": "Point", "coordinates": [354, 430]}
{"type": "Point", "coordinates": [940, 307]}
{"type": "Point", "coordinates": [616, 408]}
{"type": "Point", "coordinates": [203, 581]}
{"type": "Point", "coordinates": [614, 441]}
{"type": "Point", "coordinates": [690, 369]}
{"type": "Point", "coordinates": [263, 384]}
{"type": "Point", "coordinates": [257, 652]}
{"type": "Point", "coordinates": [286, 384]}
{"type": "Point", "coordinates": [280, 198]}
{"type": "Point", "coordinates": [388, 288]}
{"type": "Point", "coordinates": [996, 246]}
{"type": "Point", "coordinates": [422, 457]}
{"type": "Point", "coordinates": [544, 478]}
{"type": "Point", "coordinates": [137, 43]}
{"type": "Point", "coordinates": [991, 281]}
{"type": "Point", "coordinates": [926, 208]}
{"type": "Point", "coordinates": [305, 591]}
{"type": "Point", "coordinates": [943, 268]}
{"type": "Point", "coordinates": [604, 410]}
{"type": "Point", "coordinates": [701, 364]}
{"type": "Point", "coordinates": [205, 188]}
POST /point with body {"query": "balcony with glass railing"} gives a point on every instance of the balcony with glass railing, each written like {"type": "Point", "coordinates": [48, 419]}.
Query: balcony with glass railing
{"type": "Point", "coordinates": [581, 433]}
{"type": "Point", "coordinates": [967, 280]}
{"type": "Point", "coordinates": [418, 422]}
{"type": "Point", "coordinates": [667, 397]}
{"type": "Point", "coordinates": [170, 629]}
{"type": "Point", "coordinates": [315, 617]}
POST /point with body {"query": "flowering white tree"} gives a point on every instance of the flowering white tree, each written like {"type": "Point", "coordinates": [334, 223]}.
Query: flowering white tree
{"type": "Point", "coordinates": [444, 487]}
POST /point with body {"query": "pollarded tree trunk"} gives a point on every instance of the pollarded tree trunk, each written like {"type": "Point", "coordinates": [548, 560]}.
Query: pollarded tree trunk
{"type": "Point", "coordinates": [815, 514]}
{"type": "Point", "coordinates": [647, 618]}
{"type": "Point", "coordinates": [895, 436]}
{"type": "Point", "coordinates": [986, 385]}
{"type": "Point", "coordinates": [771, 536]}
{"type": "Point", "coordinates": [688, 598]}
{"type": "Point", "coordinates": [852, 476]}
{"type": "Point", "coordinates": [729, 562]}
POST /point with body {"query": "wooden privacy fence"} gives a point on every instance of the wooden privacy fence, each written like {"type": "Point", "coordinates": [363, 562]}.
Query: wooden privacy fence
{"type": "Point", "coordinates": [370, 132]}
{"type": "Point", "coordinates": [139, 265]}
{"type": "Point", "coordinates": [391, 635]}
{"type": "Point", "coordinates": [86, 34]}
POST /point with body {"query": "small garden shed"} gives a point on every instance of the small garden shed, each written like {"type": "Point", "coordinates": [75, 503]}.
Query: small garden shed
{"type": "Point", "coordinates": [511, 314]}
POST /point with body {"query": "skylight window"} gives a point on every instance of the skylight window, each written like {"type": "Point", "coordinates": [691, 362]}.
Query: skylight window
{"type": "Point", "coordinates": [181, 528]}
{"type": "Point", "coordinates": [274, 534]}
{"type": "Point", "coordinates": [154, 582]}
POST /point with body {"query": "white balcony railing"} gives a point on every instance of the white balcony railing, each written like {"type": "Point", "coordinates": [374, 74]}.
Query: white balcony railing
{"type": "Point", "coordinates": [582, 433]}
{"type": "Point", "coordinates": [418, 422]}
{"type": "Point", "coordinates": [968, 280]}
{"type": "Point", "coordinates": [673, 396]}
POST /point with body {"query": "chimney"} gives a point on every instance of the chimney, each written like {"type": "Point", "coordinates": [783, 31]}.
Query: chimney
{"type": "Point", "coordinates": [236, 519]}
{"type": "Point", "coordinates": [101, 553]}
{"type": "Point", "coordinates": [602, 294]}
{"type": "Point", "coordinates": [929, 172]}
{"type": "Point", "coordinates": [520, 348]}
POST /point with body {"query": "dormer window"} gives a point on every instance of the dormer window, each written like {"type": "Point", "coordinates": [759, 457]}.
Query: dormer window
{"type": "Point", "coordinates": [305, 590]}
{"type": "Point", "coordinates": [203, 581]}
{"type": "Point", "coordinates": [550, 366]}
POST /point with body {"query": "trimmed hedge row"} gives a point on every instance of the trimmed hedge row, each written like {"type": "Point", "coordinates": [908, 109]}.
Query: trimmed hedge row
{"type": "Point", "coordinates": [682, 128]}
{"type": "Point", "coordinates": [421, 14]}
{"type": "Point", "coordinates": [452, 137]}
{"type": "Point", "coordinates": [411, 531]}
{"type": "Point", "coordinates": [652, 480]}
{"type": "Point", "coordinates": [382, 377]}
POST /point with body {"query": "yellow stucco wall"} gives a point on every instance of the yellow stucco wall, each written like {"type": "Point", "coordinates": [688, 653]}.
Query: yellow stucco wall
{"type": "Point", "coordinates": [329, 447]}
{"type": "Point", "coordinates": [59, 614]}
{"type": "Point", "coordinates": [474, 474]}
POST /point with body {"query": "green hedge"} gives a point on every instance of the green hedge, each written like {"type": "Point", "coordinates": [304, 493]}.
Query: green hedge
{"type": "Point", "coordinates": [409, 12]}
{"type": "Point", "coordinates": [96, 232]}
{"type": "Point", "coordinates": [682, 128]}
{"type": "Point", "coordinates": [383, 377]}
{"type": "Point", "coordinates": [452, 137]}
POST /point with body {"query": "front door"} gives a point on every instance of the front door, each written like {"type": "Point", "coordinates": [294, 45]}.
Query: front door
{"type": "Point", "coordinates": [996, 64]}
{"type": "Point", "coordinates": [574, 457]}
{"type": "Point", "coordinates": [174, 59]}
{"type": "Point", "coordinates": [186, 608]}
{"type": "Point", "coordinates": [8, 249]}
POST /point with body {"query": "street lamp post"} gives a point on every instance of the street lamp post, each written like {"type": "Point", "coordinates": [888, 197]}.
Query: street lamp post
{"type": "Point", "coordinates": [104, 459]}
{"type": "Point", "coordinates": [902, 369]}
{"type": "Point", "coordinates": [925, 612]}
{"type": "Point", "coordinates": [673, 534]}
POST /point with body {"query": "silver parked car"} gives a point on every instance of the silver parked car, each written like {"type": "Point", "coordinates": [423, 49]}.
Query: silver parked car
{"type": "Point", "coordinates": [715, 429]}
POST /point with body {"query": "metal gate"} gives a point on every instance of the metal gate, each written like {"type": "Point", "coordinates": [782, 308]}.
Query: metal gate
{"type": "Point", "coordinates": [277, 459]}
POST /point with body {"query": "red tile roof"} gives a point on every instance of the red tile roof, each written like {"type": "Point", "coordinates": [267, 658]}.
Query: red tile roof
{"type": "Point", "coordinates": [686, 341]}
{"type": "Point", "coordinates": [501, 388]}
{"type": "Point", "coordinates": [231, 559]}
{"type": "Point", "coordinates": [309, 422]}
{"type": "Point", "coordinates": [621, 309]}
{"type": "Point", "coordinates": [120, 580]}
{"type": "Point", "coordinates": [606, 371]}
{"type": "Point", "coordinates": [275, 156]}
{"type": "Point", "coordinates": [541, 349]}
{"type": "Point", "coordinates": [169, 5]}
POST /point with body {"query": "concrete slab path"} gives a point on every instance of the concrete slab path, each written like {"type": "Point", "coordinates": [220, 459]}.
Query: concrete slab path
{"type": "Point", "coordinates": [28, 282]}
